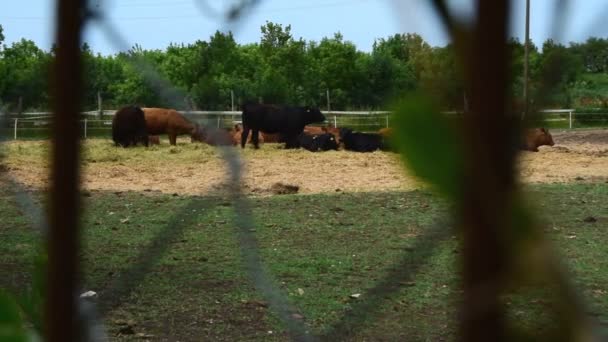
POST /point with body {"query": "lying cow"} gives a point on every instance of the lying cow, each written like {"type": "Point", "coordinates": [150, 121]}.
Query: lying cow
{"type": "Point", "coordinates": [170, 122]}
{"type": "Point", "coordinates": [129, 127]}
{"type": "Point", "coordinates": [361, 142]}
{"type": "Point", "coordinates": [285, 120]}
{"type": "Point", "coordinates": [237, 133]}
{"type": "Point", "coordinates": [535, 137]}
{"type": "Point", "coordinates": [323, 129]}
{"type": "Point", "coordinates": [318, 142]}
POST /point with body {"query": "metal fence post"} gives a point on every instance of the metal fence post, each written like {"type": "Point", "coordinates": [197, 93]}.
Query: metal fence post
{"type": "Point", "coordinates": [16, 120]}
{"type": "Point", "coordinates": [570, 119]}
{"type": "Point", "coordinates": [85, 128]}
{"type": "Point", "coordinates": [218, 121]}
{"type": "Point", "coordinates": [387, 121]}
{"type": "Point", "coordinates": [335, 122]}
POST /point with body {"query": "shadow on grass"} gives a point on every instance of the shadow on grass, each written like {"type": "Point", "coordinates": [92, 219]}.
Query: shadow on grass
{"type": "Point", "coordinates": [128, 280]}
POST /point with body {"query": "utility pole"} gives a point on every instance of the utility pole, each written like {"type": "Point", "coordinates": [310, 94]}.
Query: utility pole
{"type": "Point", "coordinates": [526, 60]}
{"type": "Point", "coordinates": [328, 102]}
{"type": "Point", "coordinates": [231, 100]}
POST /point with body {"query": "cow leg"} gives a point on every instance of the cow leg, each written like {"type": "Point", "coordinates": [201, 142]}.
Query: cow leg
{"type": "Point", "coordinates": [256, 138]}
{"type": "Point", "coordinates": [244, 136]}
{"type": "Point", "coordinates": [173, 139]}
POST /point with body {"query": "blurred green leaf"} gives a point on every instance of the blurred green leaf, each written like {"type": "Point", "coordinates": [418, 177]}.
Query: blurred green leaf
{"type": "Point", "coordinates": [429, 144]}
{"type": "Point", "coordinates": [11, 324]}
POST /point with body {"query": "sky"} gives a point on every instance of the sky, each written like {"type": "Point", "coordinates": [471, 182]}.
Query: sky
{"type": "Point", "coordinates": [154, 24]}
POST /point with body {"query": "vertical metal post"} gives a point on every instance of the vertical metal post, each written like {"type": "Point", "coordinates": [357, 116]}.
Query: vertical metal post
{"type": "Point", "coordinates": [570, 119]}
{"type": "Point", "coordinates": [328, 102]}
{"type": "Point", "coordinates": [20, 105]}
{"type": "Point", "coordinates": [15, 135]}
{"type": "Point", "coordinates": [99, 105]}
{"type": "Point", "coordinates": [387, 121]}
{"type": "Point", "coordinates": [526, 59]}
{"type": "Point", "coordinates": [335, 122]}
{"type": "Point", "coordinates": [85, 128]}
{"type": "Point", "coordinates": [218, 121]}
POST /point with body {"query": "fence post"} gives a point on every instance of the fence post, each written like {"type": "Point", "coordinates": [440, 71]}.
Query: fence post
{"type": "Point", "coordinates": [570, 119]}
{"type": "Point", "coordinates": [335, 122]}
{"type": "Point", "coordinates": [387, 121]}
{"type": "Point", "coordinates": [16, 120]}
{"type": "Point", "coordinates": [218, 121]}
{"type": "Point", "coordinates": [328, 102]}
{"type": "Point", "coordinates": [85, 128]}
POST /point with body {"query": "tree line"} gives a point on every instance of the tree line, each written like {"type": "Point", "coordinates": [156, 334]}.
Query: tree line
{"type": "Point", "coordinates": [283, 69]}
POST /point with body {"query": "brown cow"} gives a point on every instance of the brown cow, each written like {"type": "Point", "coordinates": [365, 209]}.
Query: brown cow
{"type": "Point", "coordinates": [385, 132]}
{"type": "Point", "coordinates": [170, 122]}
{"type": "Point", "coordinates": [216, 136]}
{"type": "Point", "coordinates": [536, 137]}
{"type": "Point", "coordinates": [153, 140]}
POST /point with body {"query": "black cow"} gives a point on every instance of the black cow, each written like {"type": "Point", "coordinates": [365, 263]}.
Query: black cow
{"type": "Point", "coordinates": [318, 142]}
{"type": "Point", "coordinates": [129, 127]}
{"type": "Point", "coordinates": [361, 142]}
{"type": "Point", "coordinates": [288, 121]}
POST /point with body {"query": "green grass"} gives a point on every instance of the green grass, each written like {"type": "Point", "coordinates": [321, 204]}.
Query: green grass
{"type": "Point", "coordinates": [172, 264]}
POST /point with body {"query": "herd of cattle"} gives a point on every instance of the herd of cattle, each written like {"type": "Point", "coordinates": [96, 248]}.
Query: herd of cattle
{"type": "Point", "coordinates": [266, 123]}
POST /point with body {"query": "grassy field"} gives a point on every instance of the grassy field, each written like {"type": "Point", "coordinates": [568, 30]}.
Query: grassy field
{"type": "Point", "coordinates": [170, 268]}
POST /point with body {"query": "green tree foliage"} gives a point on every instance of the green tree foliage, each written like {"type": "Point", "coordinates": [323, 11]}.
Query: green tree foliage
{"type": "Point", "coordinates": [281, 68]}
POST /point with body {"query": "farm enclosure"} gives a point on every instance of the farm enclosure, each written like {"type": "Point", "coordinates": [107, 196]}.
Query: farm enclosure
{"type": "Point", "coordinates": [167, 266]}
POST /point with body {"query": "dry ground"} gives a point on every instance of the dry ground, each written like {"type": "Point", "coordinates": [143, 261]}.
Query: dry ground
{"type": "Point", "coordinates": [196, 169]}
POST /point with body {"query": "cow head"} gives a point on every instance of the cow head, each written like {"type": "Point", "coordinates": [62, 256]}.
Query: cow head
{"type": "Point", "coordinates": [330, 143]}
{"type": "Point", "coordinates": [543, 137]}
{"type": "Point", "coordinates": [314, 115]}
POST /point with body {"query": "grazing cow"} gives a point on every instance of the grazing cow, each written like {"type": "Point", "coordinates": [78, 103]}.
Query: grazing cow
{"type": "Point", "coordinates": [288, 121]}
{"type": "Point", "coordinates": [237, 133]}
{"type": "Point", "coordinates": [318, 142]}
{"type": "Point", "coordinates": [536, 137]}
{"type": "Point", "coordinates": [361, 142]}
{"type": "Point", "coordinates": [153, 140]}
{"type": "Point", "coordinates": [129, 127]}
{"type": "Point", "coordinates": [170, 122]}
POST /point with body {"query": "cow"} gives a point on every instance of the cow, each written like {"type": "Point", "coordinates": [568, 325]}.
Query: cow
{"type": "Point", "coordinates": [323, 129]}
{"type": "Point", "coordinates": [170, 122]}
{"type": "Point", "coordinates": [153, 140]}
{"type": "Point", "coordinates": [535, 137]}
{"type": "Point", "coordinates": [129, 127]}
{"type": "Point", "coordinates": [215, 136]}
{"type": "Point", "coordinates": [361, 142]}
{"type": "Point", "coordinates": [386, 132]}
{"type": "Point", "coordinates": [237, 133]}
{"type": "Point", "coordinates": [318, 142]}
{"type": "Point", "coordinates": [286, 120]}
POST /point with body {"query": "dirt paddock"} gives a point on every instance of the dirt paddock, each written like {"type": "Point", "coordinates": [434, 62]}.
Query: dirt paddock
{"type": "Point", "coordinates": [578, 156]}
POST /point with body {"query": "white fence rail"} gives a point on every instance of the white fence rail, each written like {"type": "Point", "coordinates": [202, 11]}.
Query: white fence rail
{"type": "Point", "coordinates": [368, 119]}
